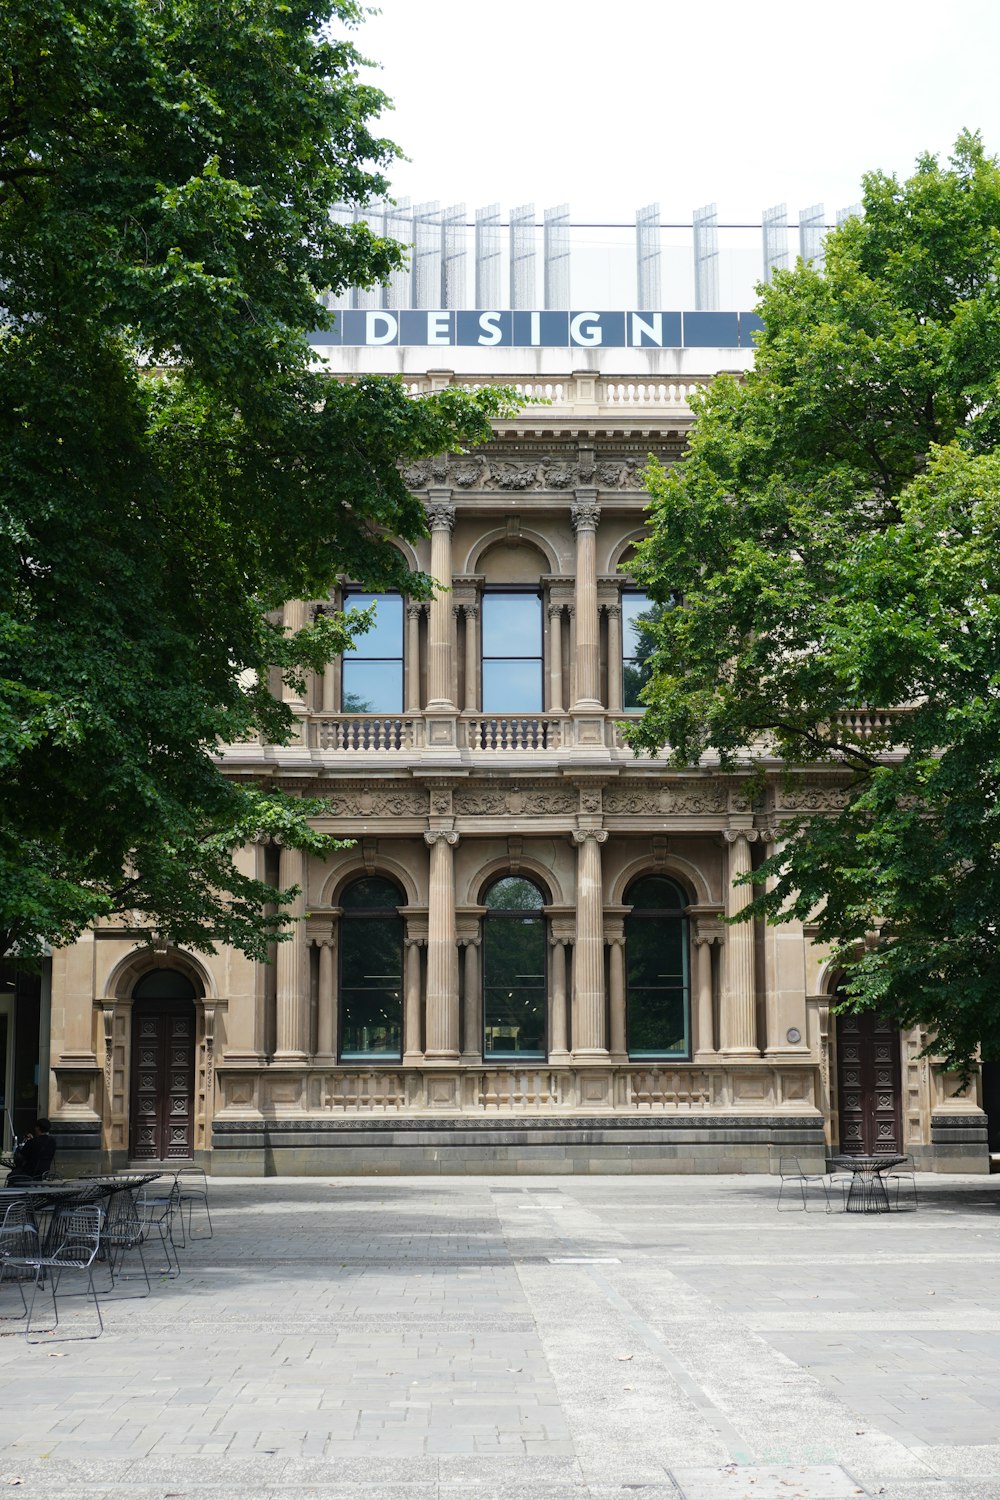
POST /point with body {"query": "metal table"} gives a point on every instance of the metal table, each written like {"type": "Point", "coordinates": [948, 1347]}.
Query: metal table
{"type": "Point", "coordinates": [868, 1192]}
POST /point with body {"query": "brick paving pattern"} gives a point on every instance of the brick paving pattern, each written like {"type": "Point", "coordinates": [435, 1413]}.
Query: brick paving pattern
{"type": "Point", "coordinates": [565, 1339]}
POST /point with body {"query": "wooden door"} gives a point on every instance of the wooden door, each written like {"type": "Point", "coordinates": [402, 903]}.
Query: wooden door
{"type": "Point", "coordinates": [868, 1085]}
{"type": "Point", "coordinates": [161, 1124]}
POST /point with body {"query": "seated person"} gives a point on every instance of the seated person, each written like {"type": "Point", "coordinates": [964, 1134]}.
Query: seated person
{"type": "Point", "coordinates": [34, 1157]}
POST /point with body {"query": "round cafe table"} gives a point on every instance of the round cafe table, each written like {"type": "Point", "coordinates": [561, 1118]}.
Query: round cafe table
{"type": "Point", "coordinates": [868, 1192]}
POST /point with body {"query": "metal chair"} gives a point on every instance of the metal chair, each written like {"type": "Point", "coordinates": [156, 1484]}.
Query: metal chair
{"type": "Point", "coordinates": [903, 1172]}
{"type": "Point", "coordinates": [75, 1237]}
{"type": "Point", "coordinates": [156, 1213]}
{"type": "Point", "coordinates": [123, 1233]}
{"type": "Point", "coordinates": [193, 1185]}
{"type": "Point", "coordinates": [18, 1240]}
{"type": "Point", "coordinates": [792, 1175]}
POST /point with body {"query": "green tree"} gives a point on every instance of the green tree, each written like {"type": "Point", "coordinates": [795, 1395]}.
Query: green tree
{"type": "Point", "coordinates": [833, 532]}
{"type": "Point", "coordinates": [173, 466]}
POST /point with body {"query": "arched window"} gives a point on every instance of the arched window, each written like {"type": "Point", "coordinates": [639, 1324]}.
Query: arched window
{"type": "Point", "coordinates": [371, 971]}
{"type": "Point", "coordinates": [514, 988]}
{"type": "Point", "coordinates": [656, 954]}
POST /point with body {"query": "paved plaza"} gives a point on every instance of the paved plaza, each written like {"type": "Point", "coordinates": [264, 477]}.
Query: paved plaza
{"type": "Point", "coordinates": [560, 1338]}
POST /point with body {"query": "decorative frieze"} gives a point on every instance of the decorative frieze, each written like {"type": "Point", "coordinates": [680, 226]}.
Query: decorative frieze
{"type": "Point", "coordinates": [378, 802]}
{"type": "Point", "coordinates": [683, 798]}
{"type": "Point", "coordinates": [514, 801]}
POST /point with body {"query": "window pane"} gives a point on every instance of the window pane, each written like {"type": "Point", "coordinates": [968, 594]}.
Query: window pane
{"type": "Point", "coordinates": [514, 986]}
{"type": "Point", "coordinates": [514, 951]}
{"type": "Point", "coordinates": [372, 687]}
{"type": "Point", "coordinates": [656, 1023]}
{"type": "Point", "coordinates": [512, 687]}
{"type": "Point", "coordinates": [385, 638]}
{"type": "Point", "coordinates": [514, 1023]}
{"type": "Point", "coordinates": [633, 607]}
{"type": "Point", "coordinates": [655, 953]}
{"type": "Point", "coordinates": [655, 893]}
{"type": "Point", "coordinates": [372, 891]}
{"type": "Point", "coordinates": [656, 960]}
{"type": "Point", "coordinates": [513, 893]}
{"type": "Point", "coordinates": [512, 625]}
{"type": "Point", "coordinates": [372, 1024]}
{"type": "Point", "coordinates": [371, 986]}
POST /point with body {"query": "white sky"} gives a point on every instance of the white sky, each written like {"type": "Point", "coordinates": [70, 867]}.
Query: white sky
{"type": "Point", "coordinates": [615, 105]}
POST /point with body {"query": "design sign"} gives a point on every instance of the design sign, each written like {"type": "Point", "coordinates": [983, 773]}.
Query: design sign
{"type": "Point", "coordinates": [380, 327]}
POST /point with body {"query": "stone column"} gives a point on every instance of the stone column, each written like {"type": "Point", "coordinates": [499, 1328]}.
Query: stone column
{"type": "Point", "coordinates": [472, 1028]}
{"type": "Point", "coordinates": [440, 684]}
{"type": "Point", "coordinates": [585, 515]}
{"type": "Point", "coordinates": [471, 658]}
{"type": "Point", "coordinates": [738, 1012]}
{"type": "Point", "coordinates": [412, 1050]}
{"type": "Point", "coordinates": [701, 950]}
{"type": "Point", "coordinates": [558, 1029]}
{"type": "Point", "coordinates": [614, 612]}
{"type": "Point", "coordinates": [294, 620]}
{"type": "Point", "coordinates": [616, 997]}
{"type": "Point", "coordinates": [326, 1019]}
{"type": "Point", "coordinates": [412, 699]}
{"type": "Point", "coordinates": [442, 953]}
{"type": "Point", "coordinates": [589, 1028]}
{"type": "Point", "coordinates": [292, 991]}
{"type": "Point", "coordinates": [555, 658]}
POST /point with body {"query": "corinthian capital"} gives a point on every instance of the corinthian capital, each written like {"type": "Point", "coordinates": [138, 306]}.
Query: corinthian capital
{"type": "Point", "coordinates": [585, 515]}
{"type": "Point", "coordinates": [441, 515]}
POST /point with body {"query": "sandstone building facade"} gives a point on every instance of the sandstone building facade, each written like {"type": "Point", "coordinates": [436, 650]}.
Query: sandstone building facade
{"type": "Point", "coordinates": [522, 962]}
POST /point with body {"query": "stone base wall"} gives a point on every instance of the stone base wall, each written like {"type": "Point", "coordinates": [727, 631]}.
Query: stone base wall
{"type": "Point", "coordinates": [265, 1148]}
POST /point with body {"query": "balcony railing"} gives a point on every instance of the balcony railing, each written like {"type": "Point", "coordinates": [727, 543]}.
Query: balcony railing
{"type": "Point", "coordinates": [366, 732]}
{"type": "Point", "coordinates": [533, 732]}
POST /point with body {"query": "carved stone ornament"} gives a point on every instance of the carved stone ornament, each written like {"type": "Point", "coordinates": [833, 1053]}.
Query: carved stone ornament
{"type": "Point", "coordinates": [417, 476]}
{"type": "Point", "coordinates": [624, 474]}
{"type": "Point", "coordinates": [467, 472]}
{"type": "Point", "coordinates": [590, 800]}
{"type": "Point", "coordinates": [813, 796]}
{"type": "Point", "coordinates": [433, 835]}
{"type": "Point", "coordinates": [388, 802]}
{"type": "Point", "coordinates": [500, 802]}
{"type": "Point", "coordinates": [558, 476]}
{"type": "Point", "coordinates": [508, 476]}
{"type": "Point", "coordinates": [686, 799]}
{"type": "Point", "coordinates": [441, 515]}
{"type": "Point", "coordinates": [585, 515]}
{"type": "Point", "coordinates": [581, 835]}
{"type": "Point", "coordinates": [441, 800]}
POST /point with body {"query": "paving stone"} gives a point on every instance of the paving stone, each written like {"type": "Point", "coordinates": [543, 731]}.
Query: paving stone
{"type": "Point", "coordinates": [412, 1339]}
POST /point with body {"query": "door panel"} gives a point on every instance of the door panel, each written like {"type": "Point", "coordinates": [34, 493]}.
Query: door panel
{"type": "Point", "coordinates": [161, 1126]}
{"type": "Point", "coordinates": [868, 1085]}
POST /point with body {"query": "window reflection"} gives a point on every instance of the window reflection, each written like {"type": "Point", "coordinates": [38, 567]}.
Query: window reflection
{"type": "Point", "coordinates": [514, 973]}
{"type": "Point", "coordinates": [512, 653]}
{"type": "Point", "coordinates": [639, 614]}
{"type": "Point", "coordinates": [371, 971]}
{"type": "Point", "coordinates": [656, 956]}
{"type": "Point", "coordinates": [373, 671]}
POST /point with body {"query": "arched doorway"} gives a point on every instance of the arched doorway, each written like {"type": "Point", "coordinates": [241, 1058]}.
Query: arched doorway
{"type": "Point", "coordinates": [161, 1113]}
{"type": "Point", "coordinates": [869, 1094]}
